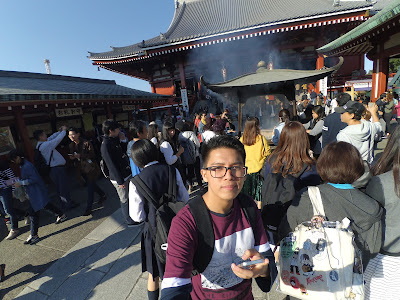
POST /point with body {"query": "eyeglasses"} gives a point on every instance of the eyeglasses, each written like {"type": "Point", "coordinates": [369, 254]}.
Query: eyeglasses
{"type": "Point", "coordinates": [220, 171]}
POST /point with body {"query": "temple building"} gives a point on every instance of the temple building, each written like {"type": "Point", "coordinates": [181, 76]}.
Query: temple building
{"type": "Point", "coordinates": [224, 39]}
{"type": "Point", "coordinates": [379, 38]}
{"type": "Point", "coordinates": [31, 101]}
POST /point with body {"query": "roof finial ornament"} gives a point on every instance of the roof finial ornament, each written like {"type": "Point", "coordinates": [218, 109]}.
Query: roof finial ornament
{"type": "Point", "coordinates": [162, 36]}
{"type": "Point", "coordinates": [143, 43]}
{"type": "Point", "coordinates": [176, 4]}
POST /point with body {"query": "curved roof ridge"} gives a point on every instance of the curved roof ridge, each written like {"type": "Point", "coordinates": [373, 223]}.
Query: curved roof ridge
{"type": "Point", "coordinates": [176, 19]}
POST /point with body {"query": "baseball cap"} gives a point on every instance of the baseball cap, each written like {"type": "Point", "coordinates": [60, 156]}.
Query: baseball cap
{"type": "Point", "coordinates": [352, 107]}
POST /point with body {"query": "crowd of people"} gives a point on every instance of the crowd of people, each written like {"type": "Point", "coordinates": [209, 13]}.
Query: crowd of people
{"type": "Point", "coordinates": [328, 146]}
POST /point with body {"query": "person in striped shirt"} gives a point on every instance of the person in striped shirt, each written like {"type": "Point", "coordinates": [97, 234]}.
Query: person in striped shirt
{"type": "Point", "coordinates": [6, 176]}
{"type": "Point", "coordinates": [235, 240]}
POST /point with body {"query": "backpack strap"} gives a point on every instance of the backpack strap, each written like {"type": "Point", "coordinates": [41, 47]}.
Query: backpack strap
{"type": "Point", "coordinates": [144, 190]}
{"type": "Point", "coordinates": [51, 155]}
{"type": "Point", "coordinates": [249, 210]}
{"type": "Point", "coordinates": [316, 200]}
{"type": "Point", "coordinates": [205, 233]}
{"type": "Point", "coordinates": [205, 229]}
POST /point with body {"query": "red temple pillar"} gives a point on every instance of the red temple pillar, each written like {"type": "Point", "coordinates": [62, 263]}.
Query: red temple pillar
{"type": "Point", "coordinates": [108, 111]}
{"type": "Point", "coordinates": [320, 65]}
{"type": "Point", "coordinates": [182, 74]}
{"type": "Point", "coordinates": [23, 133]}
{"type": "Point", "coordinates": [379, 76]}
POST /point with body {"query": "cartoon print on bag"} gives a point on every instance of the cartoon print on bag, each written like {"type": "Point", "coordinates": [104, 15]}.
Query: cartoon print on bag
{"type": "Point", "coordinates": [303, 290]}
{"type": "Point", "coordinates": [307, 266]}
{"type": "Point", "coordinates": [285, 277]}
{"type": "Point", "coordinates": [333, 275]}
{"type": "Point", "coordinates": [288, 246]}
{"type": "Point", "coordinates": [307, 244]}
{"type": "Point", "coordinates": [294, 282]}
{"type": "Point", "coordinates": [294, 264]}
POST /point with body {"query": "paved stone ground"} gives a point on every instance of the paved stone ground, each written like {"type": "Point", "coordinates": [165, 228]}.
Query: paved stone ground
{"type": "Point", "coordinates": [83, 258]}
{"type": "Point", "coordinates": [25, 263]}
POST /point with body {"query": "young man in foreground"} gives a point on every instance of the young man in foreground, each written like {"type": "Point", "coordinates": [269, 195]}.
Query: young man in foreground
{"type": "Point", "coordinates": [235, 241]}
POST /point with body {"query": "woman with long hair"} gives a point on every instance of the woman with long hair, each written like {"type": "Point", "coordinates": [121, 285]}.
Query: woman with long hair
{"type": "Point", "coordinates": [169, 146]}
{"type": "Point", "coordinates": [257, 149]}
{"type": "Point", "coordinates": [340, 165]}
{"type": "Point", "coordinates": [384, 187]}
{"type": "Point", "coordinates": [314, 129]}
{"type": "Point", "coordinates": [152, 134]}
{"type": "Point", "coordinates": [288, 170]}
{"type": "Point", "coordinates": [284, 118]}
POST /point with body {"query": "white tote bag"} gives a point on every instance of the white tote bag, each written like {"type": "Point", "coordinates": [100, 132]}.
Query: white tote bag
{"type": "Point", "coordinates": [319, 260]}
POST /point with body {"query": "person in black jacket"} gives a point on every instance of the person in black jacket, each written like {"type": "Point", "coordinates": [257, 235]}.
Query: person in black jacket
{"type": "Point", "coordinates": [332, 123]}
{"type": "Point", "coordinates": [118, 165]}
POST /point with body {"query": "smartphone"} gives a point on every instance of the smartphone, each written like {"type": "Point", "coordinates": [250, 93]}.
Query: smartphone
{"type": "Point", "coordinates": [247, 264]}
{"type": "Point", "coordinates": [70, 154]}
{"type": "Point", "coordinates": [371, 104]}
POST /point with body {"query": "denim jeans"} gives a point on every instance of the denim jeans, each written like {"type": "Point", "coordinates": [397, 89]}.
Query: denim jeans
{"type": "Point", "coordinates": [123, 194]}
{"type": "Point", "coordinates": [35, 216]}
{"type": "Point", "coordinates": [59, 176]}
{"type": "Point", "coordinates": [8, 206]}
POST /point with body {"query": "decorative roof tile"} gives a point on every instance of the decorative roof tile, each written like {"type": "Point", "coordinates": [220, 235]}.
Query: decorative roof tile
{"type": "Point", "coordinates": [194, 19]}
{"type": "Point", "coordinates": [24, 83]}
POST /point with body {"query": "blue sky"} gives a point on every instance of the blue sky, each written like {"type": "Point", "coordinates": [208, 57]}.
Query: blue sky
{"type": "Point", "coordinates": [63, 31]}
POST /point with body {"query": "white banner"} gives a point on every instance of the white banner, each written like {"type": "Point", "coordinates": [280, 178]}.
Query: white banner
{"type": "Point", "coordinates": [185, 101]}
{"type": "Point", "coordinates": [68, 112]}
{"type": "Point", "coordinates": [323, 86]}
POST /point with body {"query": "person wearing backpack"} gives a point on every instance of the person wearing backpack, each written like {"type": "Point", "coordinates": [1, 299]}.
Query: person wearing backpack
{"type": "Point", "coordinates": [190, 156]}
{"type": "Point", "coordinates": [257, 150]}
{"type": "Point", "coordinates": [36, 192]}
{"type": "Point", "coordinates": [56, 162]}
{"type": "Point", "coordinates": [156, 177]}
{"type": "Point", "coordinates": [339, 165]}
{"type": "Point", "coordinates": [288, 170]}
{"type": "Point", "coordinates": [384, 187]}
{"type": "Point", "coordinates": [169, 147]}
{"type": "Point", "coordinates": [236, 236]}
{"type": "Point", "coordinates": [117, 163]}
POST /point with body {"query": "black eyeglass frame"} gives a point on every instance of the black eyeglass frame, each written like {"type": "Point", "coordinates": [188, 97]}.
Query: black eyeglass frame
{"type": "Point", "coordinates": [226, 170]}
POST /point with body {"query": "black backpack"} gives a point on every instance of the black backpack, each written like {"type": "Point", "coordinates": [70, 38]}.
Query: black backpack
{"type": "Point", "coordinates": [277, 195]}
{"type": "Point", "coordinates": [40, 162]}
{"type": "Point", "coordinates": [189, 155]}
{"type": "Point", "coordinates": [167, 208]}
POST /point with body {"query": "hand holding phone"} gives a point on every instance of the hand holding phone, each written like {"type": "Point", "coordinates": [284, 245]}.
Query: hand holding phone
{"type": "Point", "coordinates": [248, 264]}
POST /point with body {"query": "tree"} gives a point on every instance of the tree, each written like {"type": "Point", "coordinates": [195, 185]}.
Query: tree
{"type": "Point", "coordinates": [394, 64]}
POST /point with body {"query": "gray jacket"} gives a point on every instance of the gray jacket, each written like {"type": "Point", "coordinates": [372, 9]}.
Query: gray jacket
{"type": "Point", "coordinates": [364, 213]}
{"type": "Point", "coordinates": [381, 188]}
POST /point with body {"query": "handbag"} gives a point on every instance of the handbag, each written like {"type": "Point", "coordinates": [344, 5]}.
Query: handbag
{"type": "Point", "coordinates": [20, 194]}
{"type": "Point", "coordinates": [319, 260]}
{"type": "Point", "coordinates": [88, 166]}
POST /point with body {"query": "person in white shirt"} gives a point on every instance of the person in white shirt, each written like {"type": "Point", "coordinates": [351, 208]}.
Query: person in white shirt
{"type": "Point", "coordinates": [58, 174]}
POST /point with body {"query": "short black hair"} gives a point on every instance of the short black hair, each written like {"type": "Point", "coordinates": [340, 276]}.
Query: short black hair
{"type": "Point", "coordinates": [343, 98]}
{"type": "Point", "coordinates": [109, 125]}
{"type": "Point", "coordinates": [74, 129]}
{"type": "Point", "coordinates": [37, 134]}
{"type": "Point", "coordinates": [136, 127]}
{"type": "Point", "coordinates": [222, 141]}
{"type": "Point", "coordinates": [14, 153]}
{"type": "Point", "coordinates": [143, 152]}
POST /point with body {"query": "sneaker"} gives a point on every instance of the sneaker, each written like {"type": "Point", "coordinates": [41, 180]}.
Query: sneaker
{"type": "Point", "coordinates": [135, 224]}
{"type": "Point", "coordinates": [32, 240]}
{"type": "Point", "coordinates": [12, 234]}
{"type": "Point", "coordinates": [61, 219]}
